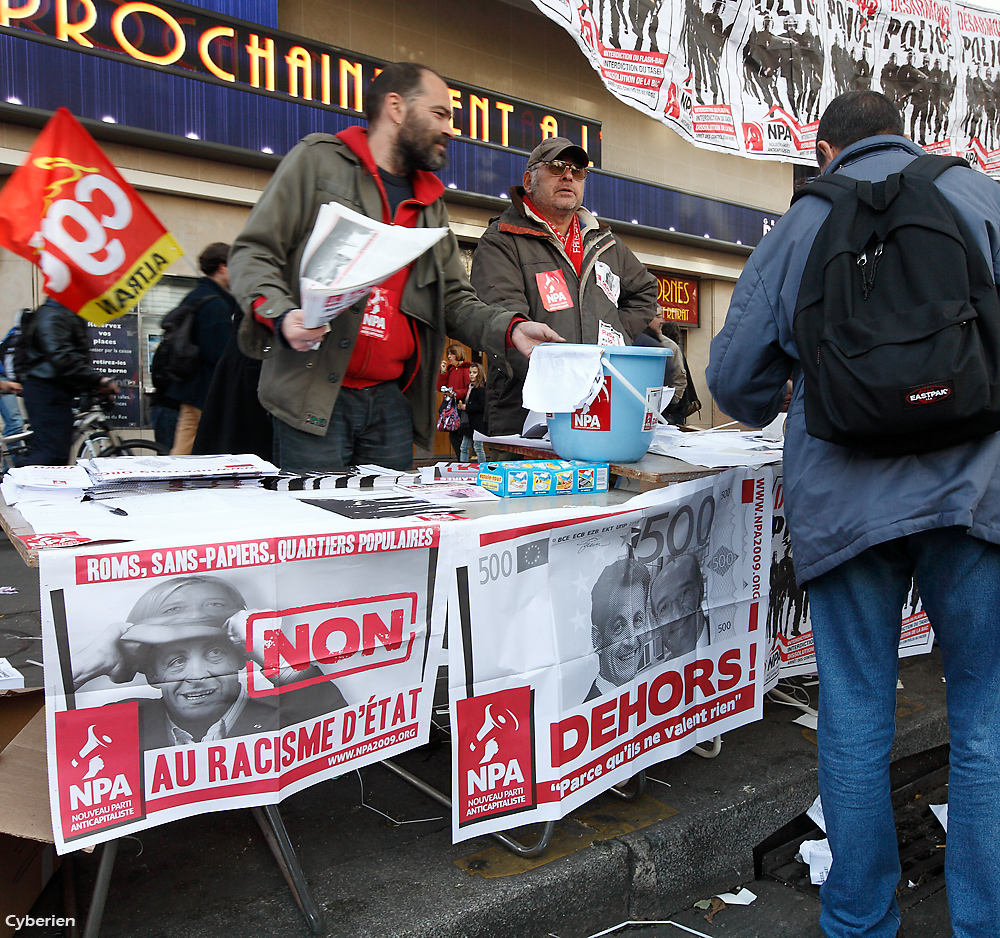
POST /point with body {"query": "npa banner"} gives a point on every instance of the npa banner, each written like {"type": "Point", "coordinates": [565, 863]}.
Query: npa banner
{"type": "Point", "coordinates": [585, 646]}
{"type": "Point", "coordinates": [753, 76]}
{"type": "Point", "coordinates": [182, 678]}
{"type": "Point", "coordinates": [68, 211]}
{"type": "Point", "coordinates": [789, 631]}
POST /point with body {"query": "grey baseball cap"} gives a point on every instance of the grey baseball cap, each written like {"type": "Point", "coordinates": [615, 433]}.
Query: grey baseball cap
{"type": "Point", "coordinates": [556, 148]}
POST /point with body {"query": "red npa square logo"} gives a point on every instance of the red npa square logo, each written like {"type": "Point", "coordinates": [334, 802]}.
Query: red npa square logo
{"type": "Point", "coordinates": [554, 291]}
{"type": "Point", "coordinates": [496, 766]}
{"type": "Point", "coordinates": [97, 762]}
{"type": "Point", "coordinates": [595, 417]}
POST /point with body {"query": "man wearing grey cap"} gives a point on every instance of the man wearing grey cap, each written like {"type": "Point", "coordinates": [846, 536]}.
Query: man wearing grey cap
{"type": "Point", "coordinates": [548, 258]}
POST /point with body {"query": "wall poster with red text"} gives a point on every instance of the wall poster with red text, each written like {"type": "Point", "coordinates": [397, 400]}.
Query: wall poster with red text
{"type": "Point", "coordinates": [190, 677]}
{"type": "Point", "coordinates": [587, 645]}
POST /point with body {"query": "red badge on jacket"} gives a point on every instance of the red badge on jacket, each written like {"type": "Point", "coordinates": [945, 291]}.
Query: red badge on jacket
{"type": "Point", "coordinates": [555, 293]}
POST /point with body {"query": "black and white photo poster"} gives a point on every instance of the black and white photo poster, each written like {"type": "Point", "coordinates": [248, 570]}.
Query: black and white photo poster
{"type": "Point", "coordinates": [586, 646]}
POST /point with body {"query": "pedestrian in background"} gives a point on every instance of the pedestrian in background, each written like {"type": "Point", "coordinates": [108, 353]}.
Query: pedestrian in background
{"type": "Point", "coordinates": [474, 407]}
{"type": "Point", "coordinates": [456, 385]}
{"type": "Point", "coordinates": [212, 327]}
{"type": "Point", "coordinates": [53, 361]}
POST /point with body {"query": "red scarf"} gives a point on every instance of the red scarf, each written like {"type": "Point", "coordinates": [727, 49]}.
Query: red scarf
{"type": "Point", "coordinates": [572, 241]}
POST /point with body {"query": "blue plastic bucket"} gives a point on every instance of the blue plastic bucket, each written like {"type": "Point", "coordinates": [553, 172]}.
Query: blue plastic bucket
{"type": "Point", "coordinates": [615, 428]}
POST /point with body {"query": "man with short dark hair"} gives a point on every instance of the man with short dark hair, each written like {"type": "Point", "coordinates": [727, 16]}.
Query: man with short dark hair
{"type": "Point", "coordinates": [361, 391]}
{"type": "Point", "coordinates": [215, 308]}
{"type": "Point", "coordinates": [861, 527]}
{"type": "Point", "coordinates": [548, 258]}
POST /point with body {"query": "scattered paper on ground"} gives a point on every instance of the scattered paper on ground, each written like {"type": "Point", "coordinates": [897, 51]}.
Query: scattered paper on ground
{"type": "Point", "coordinates": [940, 811]}
{"type": "Point", "coordinates": [808, 720]}
{"type": "Point", "coordinates": [815, 814]}
{"type": "Point", "coordinates": [816, 853]}
{"type": "Point", "coordinates": [743, 897]}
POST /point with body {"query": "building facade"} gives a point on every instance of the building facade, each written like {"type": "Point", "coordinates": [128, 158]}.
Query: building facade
{"type": "Point", "coordinates": [195, 106]}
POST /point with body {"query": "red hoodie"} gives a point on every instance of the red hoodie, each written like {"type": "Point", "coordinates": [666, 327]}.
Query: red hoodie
{"type": "Point", "coordinates": [386, 340]}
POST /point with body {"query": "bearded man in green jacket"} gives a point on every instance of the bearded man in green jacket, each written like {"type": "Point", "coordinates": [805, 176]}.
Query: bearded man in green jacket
{"type": "Point", "coordinates": [361, 389]}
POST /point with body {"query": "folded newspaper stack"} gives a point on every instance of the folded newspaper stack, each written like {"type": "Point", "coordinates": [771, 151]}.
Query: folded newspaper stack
{"type": "Point", "coordinates": [136, 475]}
{"type": "Point", "coordinates": [43, 483]}
{"type": "Point", "coordinates": [347, 254]}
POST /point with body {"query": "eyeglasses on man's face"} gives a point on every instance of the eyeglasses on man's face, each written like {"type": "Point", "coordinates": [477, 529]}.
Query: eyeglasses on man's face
{"type": "Point", "coordinates": [559, 167]}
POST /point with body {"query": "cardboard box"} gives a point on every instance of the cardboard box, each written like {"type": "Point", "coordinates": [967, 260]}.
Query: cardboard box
{"type": "Point", "coordinates": [544, 477]}
{"type": "Point", "coordinates": [27, 855]}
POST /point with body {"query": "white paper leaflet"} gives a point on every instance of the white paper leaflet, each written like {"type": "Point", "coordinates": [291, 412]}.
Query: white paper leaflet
{"type": "Point", "coordinates": [586, 646]}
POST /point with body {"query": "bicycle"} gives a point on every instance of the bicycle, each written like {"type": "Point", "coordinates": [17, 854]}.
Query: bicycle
{"type": "Point", "coordinates": [95, 435]}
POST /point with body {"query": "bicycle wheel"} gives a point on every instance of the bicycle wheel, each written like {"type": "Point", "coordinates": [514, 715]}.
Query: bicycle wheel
{"type": "Point", "coordinates": [136, 448]}
{"type": "Point", "coordinates": [96, 445]}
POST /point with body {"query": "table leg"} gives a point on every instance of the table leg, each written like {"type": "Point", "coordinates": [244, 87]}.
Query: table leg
{"type": "Point", "coordinates": [104, 870]}
{"type": "Point", "coordinates": [521, 850]}
{"type": "Point", "coordinates": [277, 838]}
{"type": "Point", "coordinates": [709, 753]}
{"type": "Point", "coordinates": [640, 786]}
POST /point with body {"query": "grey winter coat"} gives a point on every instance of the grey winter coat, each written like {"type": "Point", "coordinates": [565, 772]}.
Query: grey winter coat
{"type": "Point", "coordinates": [839, 502]}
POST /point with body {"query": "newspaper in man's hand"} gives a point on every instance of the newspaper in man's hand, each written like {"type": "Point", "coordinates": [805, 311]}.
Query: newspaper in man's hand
{"type": "Point", "coordinates": [347, 254]}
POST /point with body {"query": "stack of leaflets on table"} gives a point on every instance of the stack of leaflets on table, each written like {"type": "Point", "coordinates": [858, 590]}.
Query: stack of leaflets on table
{"type": "Point", "coordinates": [44, 483]}
{"type": "Point", "coordinates": [135, 475]}
{"type": "Point", "coordinates": [450, 493]}
{"type": "Point", "coordinates": [353, 478]}
{"type": "Point", "coordinates": [449, 472]}
{"type": "Point", "coordinates": [347, 254]}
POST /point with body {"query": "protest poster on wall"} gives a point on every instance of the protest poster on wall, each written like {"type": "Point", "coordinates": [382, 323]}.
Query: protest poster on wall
{"type": "Point", "coordinates": [789, 632]}
{"type": "Point", "coordinates": [753, 76]}
{"type": "Point", "coordinates": [182, 678]}
{"type": "Point", "coordinates": [585, 646]}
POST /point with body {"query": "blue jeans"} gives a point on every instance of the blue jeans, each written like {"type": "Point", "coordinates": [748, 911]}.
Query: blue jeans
{"type": "Point", "coordinates": [13, 422]}
{"type": "Point", "coordinates": [368, 425]}
{"type": "Point", "coordinates": [467, 444]}
{"type": "Point", "coordinates": [855, 611]}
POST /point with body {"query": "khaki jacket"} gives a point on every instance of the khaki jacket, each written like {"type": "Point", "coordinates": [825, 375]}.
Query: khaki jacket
{"type": "Point", "coordinates": [514, 251]}
{"type": "Point", "coordinates": [301, 388]}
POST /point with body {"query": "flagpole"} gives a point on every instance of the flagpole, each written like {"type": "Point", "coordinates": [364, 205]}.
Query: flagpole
{"type": "Point", "coordinates": [190, 263]}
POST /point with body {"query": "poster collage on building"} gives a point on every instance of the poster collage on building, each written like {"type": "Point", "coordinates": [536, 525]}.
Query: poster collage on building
{"type": "Point", "coordinates": [752, 77]}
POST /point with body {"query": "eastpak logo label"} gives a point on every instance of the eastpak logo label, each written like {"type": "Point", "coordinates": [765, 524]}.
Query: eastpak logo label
{"type": "Point", "coordinates": [927, 394]}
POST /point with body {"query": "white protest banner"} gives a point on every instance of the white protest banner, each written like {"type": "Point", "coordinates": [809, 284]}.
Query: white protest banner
{"type": "Point", "coordinates": [789, 631]}
{"type": "Point", "coordinates": [586, 645]}
{"type": "Point", "coordinates": [753, 76]}
{"type": "Point", "coordinates": [190, 677]}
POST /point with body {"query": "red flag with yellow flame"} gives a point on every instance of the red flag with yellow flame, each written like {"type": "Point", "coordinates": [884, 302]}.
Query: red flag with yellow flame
{"type": "Point", "coordinates": [68, 211]}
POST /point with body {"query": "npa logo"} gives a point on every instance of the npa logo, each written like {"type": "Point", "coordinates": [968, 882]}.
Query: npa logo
{"type": "Point", "coordinates": [496, 766]}
{"type": "Point", "coordinates": [373, 323]}
{"type": "Point", "coordinates": [97, 763]}
{"type": "Point", "coordinates": [753, 137]}
{"type": "Point", "coordinates": [595, 417]}
{"type": "Point", "coordinates": [554, 291]}
{"type": "Point", "coordinates": [927, 394]}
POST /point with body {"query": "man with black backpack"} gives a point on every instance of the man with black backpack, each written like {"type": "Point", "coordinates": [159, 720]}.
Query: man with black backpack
{"type": "Point", "coordinates": [195, 335]}
{"type": "Point", "coordinates": [876, 291]}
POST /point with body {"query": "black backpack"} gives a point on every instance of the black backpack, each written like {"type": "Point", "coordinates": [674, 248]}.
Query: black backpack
{"type": "Point", "coordinates": [897, 321]}
{"type": "Point", "coordinates": [177, 357]}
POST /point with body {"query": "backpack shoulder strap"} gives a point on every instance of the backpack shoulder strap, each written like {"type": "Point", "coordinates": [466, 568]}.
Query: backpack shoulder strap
{"type": "Point", "coordinates": [830, 187]}
{"type": "Point", "coordinates": [930, 166]}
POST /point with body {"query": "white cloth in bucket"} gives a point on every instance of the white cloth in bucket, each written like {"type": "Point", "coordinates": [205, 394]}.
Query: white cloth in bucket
{"type": "Point", "coordinates": [562, 378]}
